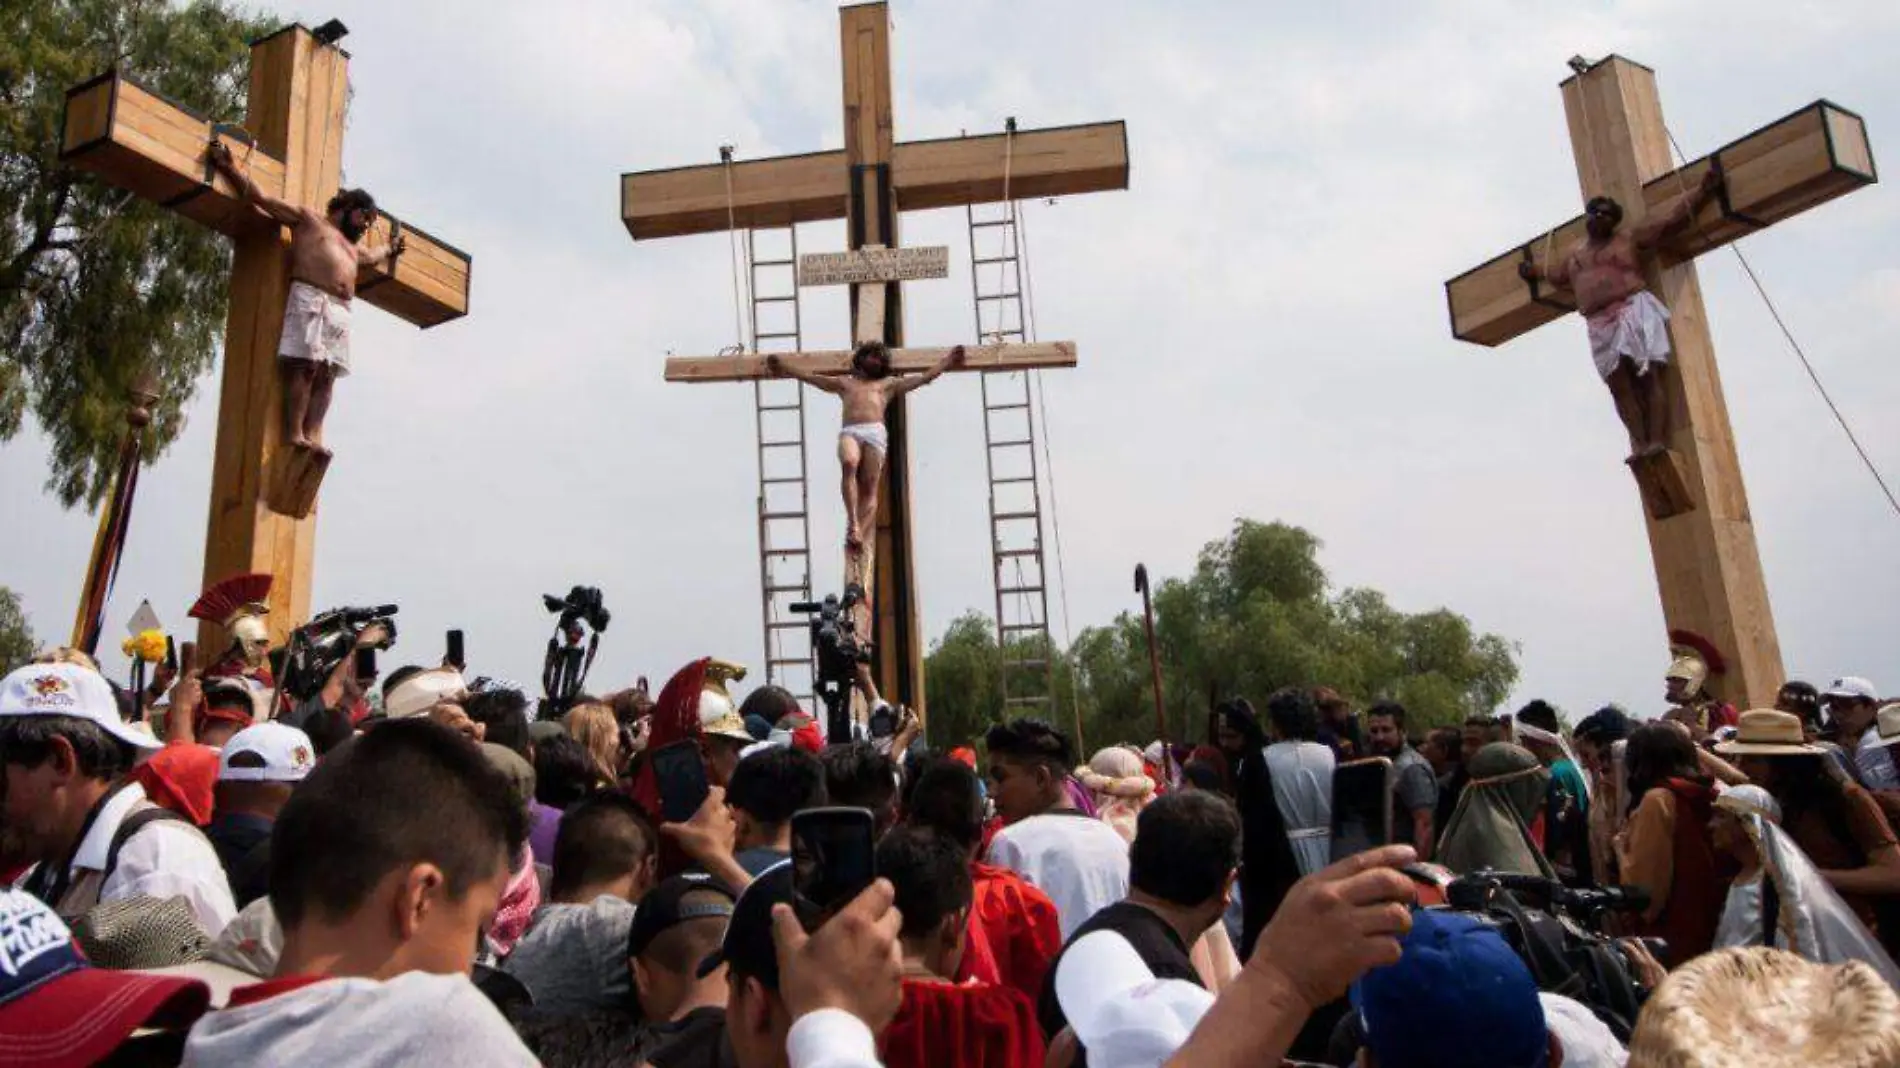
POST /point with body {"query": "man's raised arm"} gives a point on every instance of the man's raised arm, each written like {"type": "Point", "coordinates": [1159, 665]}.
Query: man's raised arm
{"type": "Point", "coordinates": [951, 360]}
{"type": "Point", "coordinates": [779, 367]}
{"type": "Point", "coordinates": [1558, 275]}
{"type": "Point", "coordinates": [381, 255]}
{"type": "Point", "coordinates": [281, 211]}
{"type": "Point", "coordinates": [1652, 231]}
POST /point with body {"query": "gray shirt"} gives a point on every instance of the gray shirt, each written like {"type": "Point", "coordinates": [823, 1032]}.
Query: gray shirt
{"type": "Point", "coordinates": [574, 957]}
{"type": "Point", "coordinates": [1414, 787]}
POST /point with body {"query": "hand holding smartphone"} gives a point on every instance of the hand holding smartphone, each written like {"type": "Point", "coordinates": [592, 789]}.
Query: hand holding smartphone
{"type": "Point", "coordinates": [834, 857]}
{"type": "Point", "coordinates": [681, 773]}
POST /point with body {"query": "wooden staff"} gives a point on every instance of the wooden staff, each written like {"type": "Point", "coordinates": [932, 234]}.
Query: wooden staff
{"type": "Point", "coordinates": [115, 520]}
{"type": "Point", "coordinates": [1154, 663]}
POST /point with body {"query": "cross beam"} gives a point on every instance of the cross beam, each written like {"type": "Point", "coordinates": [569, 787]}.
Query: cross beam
{"type": "Point", "coordinates": [869, 183]}
{"type": "Point", "coordinates": [291, 141]}
{"type": "Point", "coordinates": [1708, 570]}
{"type": "Point", "coordinates": [746, 368]}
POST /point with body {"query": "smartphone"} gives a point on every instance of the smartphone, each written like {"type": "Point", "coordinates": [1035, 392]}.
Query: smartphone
{"type": "Point", "coordinates": [834, 857]}
{"type": "Point", "coordinates": [1362, 806]}
{"type": "Point", "coordinates": [188, 656]}
{"type": "Point", "coordinates": [365, 665]}
{"type": "Point", "coordinates": [455, 650]}
{"type": "Point", "coordinates": [171, 654]}
{"type": "Point", "coordinates": [681, 774]}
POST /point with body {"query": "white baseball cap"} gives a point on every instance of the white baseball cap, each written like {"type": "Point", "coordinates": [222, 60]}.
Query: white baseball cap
{"type": "Point", "coordinates": [422, 691]}
{"type": "Point", "coordinates": [1120, 1013]}
{"type": "Point", "coordinates": [275, 752]}
{"type": "Point", "coordinates": [1852, 687]}
{"type": "Point", "coordinates": [68, 690]}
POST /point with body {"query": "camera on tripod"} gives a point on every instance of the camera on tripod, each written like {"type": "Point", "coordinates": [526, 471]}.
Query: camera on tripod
{"type": "Point", "coordinates": [582, 603]}
{"type": "Point", "coordinates": [318, 646]}
{"type": "Point", "coordinates": [839, 650]}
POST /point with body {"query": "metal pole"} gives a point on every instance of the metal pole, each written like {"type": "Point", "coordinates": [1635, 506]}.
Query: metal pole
{"type": "Point", "coordinates": [1154, 663]}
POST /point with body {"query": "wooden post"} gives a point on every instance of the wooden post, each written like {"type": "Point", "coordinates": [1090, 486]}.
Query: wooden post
{"type": "Point", "coordinates": [1707, 567]}
{"type": "Point", "coordinates": [298, 93]}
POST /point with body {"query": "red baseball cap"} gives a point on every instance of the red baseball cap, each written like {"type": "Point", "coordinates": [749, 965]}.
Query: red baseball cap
{"type": "Point", "coordinates": [57, 1010]}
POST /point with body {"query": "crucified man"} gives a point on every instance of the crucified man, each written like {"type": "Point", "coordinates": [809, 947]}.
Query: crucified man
{"type": "Point", "coordinates": [314, 349]}
{"type": "Point", "coordinates": [863, 441]}
{"type": "Point", "coordinates": [1629, 327]}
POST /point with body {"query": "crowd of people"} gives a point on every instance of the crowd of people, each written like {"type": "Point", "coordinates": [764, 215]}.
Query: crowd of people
{"type": "Point", "coordinates": [445, 870]}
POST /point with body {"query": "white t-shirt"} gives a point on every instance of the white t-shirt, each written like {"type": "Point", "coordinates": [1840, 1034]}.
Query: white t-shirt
{"type": "Point", "coordinates": [415, 1018]}
{"type": "Point", "coordinates": [167, 858]}
{"type": "Point", "coordinates": [1078, 860]}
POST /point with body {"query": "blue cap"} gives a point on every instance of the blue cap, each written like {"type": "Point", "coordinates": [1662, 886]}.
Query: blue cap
{"type": "Point", "coordinates": [1459, 997]}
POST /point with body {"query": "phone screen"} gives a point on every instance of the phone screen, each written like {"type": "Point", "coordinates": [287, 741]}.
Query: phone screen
{"type": "Point", "coordinates": [365, 665]}
{"type": "Point", "coordinates": [455, 649]}
{"type": "Point", "coordinates": [681, 774]}
{"type": "Point", "coordinates": [834, 856]}
{"type": "Point", "coordinates": [1362, 806]}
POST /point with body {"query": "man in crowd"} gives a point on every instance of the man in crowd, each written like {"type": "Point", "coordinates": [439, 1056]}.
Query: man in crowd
{"type": "Point", "coordinates": [1181, 877]}
{"type": "Point", "coordinates": [382, 903]}
{"type": "Point", "coordinates": [70, 807]}
{"type": "Point", "coordinates": [1693, 659]}
{"type": "Point", "coordinates": [1444, 749]}
{"type": "Point", "coordinates": [1079, 861]}
{"type": "Point", "coordinates": [1478, 732]}
{"type": "Point", "coordinates": [681, 923]}
{"type": "Point", "coordinates": [942, 1022]}
{"type": "Point", "coordinates": [1414, 787]}
{"type": "Point", "coordinates": [1339, 728]}
{"type": "Point", "coordinates": [257, 771]}
{"type": "Point", "coordinates": [767, 788]}
{"type": "Point", "coordinates": [1301, 770]}
{"type": "Point", "coordinates": [573, 957]}
{"type": "Point", "coordinates": [858, 776]}
{"type": "Point", "coordinates": [1853, 704]}
{"type": "Point", "coordinates": [1016, 921]}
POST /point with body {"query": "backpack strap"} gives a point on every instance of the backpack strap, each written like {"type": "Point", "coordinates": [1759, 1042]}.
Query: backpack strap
{"type": "Point", "coordinates": [131, 825]}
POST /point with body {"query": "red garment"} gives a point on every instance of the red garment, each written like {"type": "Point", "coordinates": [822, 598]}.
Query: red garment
{"type": "Point", "coordinates": [973, 1025]}
{"type": "Point", "coordinates": [1698, 887]}
{"type": "Point", "coordinates": [979, 960]}
{"type": "Point", "coordinates": [181, 777]}
{"type": "Point", "coordinates": [1021, 925]}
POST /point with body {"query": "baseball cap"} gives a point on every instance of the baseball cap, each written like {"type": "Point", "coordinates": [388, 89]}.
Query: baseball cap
{"type": "Point", "coordinates": [267, 752]}
{"type": "Point", "coordinates": [667, 906]}
{"type": "Point", "coordinates": [1459, 996]}
{"type": "Point", "coordinates": [748, 948]}
{"type": "Point", "coordinates": [422, 691]}
{"type": "Point", "coordinates": [1851, 688]}
{"type": "Point", "coordinates": [57, 1010]}
{"type": "Point", "coordinates": [68, 690]}
{"type": "Point", "coordinates": [1121, 1014]}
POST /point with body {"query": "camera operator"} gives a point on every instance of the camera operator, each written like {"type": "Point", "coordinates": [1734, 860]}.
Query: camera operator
{"type": "Point", "coordinates": [342, 689]}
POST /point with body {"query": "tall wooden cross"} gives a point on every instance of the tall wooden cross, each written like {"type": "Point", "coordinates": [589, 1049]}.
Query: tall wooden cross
{"type": "Point", "coordinates": [1700, 531]}
{"type": "Point", "coordinates": [291, 142]}
{"type": "Point", "coordinates": [868, 183]}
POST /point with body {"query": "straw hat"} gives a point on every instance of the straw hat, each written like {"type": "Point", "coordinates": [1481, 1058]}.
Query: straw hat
{"type": "Point", "coordinates": [1765, 732]}
{"type": "Point", "coordinates": [1887, 723]}
{"type": "Point", "coordinates": [1763, 1008]}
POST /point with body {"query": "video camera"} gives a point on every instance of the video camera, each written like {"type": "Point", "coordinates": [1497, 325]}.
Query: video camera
{"type": "Point", "coordinates": [316, 648]}
{"type": "Point", "coordinates": [835, 642]}
{"type": "Point", "coordinates": [584, 603]}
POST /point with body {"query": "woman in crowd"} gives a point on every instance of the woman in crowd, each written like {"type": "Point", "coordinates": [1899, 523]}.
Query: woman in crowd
{"type": "Point", "coordinates": [1119, 788]}
{"type": "Point", "coordinates": [1665, 850]}
{"type": "Point", "coordinates": [594, 726]}
{"type": "Point", "coordinates": [1499, 819]}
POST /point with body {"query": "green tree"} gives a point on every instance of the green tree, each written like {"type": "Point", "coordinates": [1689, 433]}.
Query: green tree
{"type": "Point", "coordinates": [99, 289]}
{"type": "Point", "coordinates": [17, 644]}
{"type": "Point", "coordinates": [963, 682]}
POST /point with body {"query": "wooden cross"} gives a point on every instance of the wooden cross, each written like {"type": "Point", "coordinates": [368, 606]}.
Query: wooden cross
{"type": "Point", "coordinates": [868, 182]}
{"type": "Point", "coordinates": [291, 143]}
{"type": "Point", "coordinates": [1700, 532]}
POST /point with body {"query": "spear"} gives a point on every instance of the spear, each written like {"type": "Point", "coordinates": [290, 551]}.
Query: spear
{"type": "Point", "coordinates": [1154, 662]}
{"type": "Point", "coordinates": [115, 519]}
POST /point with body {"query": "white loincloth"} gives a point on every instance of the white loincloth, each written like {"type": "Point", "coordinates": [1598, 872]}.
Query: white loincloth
{"type": "Point", "coordinates": [870, 435]}
{"type": "Point", "coordinates": [316, 328]}
{"type": "Point", "coordinates": [1636, 328]}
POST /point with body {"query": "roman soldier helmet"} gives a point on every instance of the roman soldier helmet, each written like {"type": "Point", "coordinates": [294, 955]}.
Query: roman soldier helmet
{"type": "Point", "coordinates": [1694, 659]}
{"type": "Point", "coordinates": [238, 605]}
{"type": "Point", "coordinates": [718, 712]}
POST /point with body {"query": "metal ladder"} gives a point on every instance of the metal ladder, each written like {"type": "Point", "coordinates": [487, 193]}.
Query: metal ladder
{"type": "Point", "coordinates": [1009, 440]}
{"type": "Point", "coordinates": [784, 495]}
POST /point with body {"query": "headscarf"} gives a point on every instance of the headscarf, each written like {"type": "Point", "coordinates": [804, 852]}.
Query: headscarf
{"type": "Point", "coordinates": [182, 777]}
{"type": "Point", "coordinates": [1532, 733]}
{"type": "Point", "coordinates": [1120, 787]}
{"type": "Point", "coordinates": [1814, 922]}
{"type": "Point", "coordinates": [1491, 826]}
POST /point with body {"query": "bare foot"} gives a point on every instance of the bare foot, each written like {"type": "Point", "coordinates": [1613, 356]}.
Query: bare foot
{"type": "Point", "coordinates": [321, 449]}
{"type": "Point", "coordinates": [298, 441]}
{"type": "Point", "coordinates": [852, 540]}
{"type": "Point", "coordinates": [1655, 448]}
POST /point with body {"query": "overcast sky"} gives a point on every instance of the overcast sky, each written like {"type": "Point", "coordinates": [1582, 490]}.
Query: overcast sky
{"type": "Point", "coordinates": [1260, 317]}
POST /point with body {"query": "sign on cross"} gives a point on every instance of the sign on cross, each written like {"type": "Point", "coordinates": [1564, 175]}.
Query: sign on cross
{"type": "Point", "coordinates": [874, 265]}
{"type": "Point", "coordinates": [868, 183]}
{"type": "Point", "coordinates": [1701, 535]}
{"type": "Point", "coordinates": [291, 144]}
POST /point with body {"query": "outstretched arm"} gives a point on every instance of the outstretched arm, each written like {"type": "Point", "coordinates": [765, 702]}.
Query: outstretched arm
{"type": "Point", "coordinates": [1557, 275]}
{"type": "Point", "coordinates": [952, 359]}
{"type": "Point", "coordinates": [1652, 232]}
{"type": "Point", "coordinates": [382, 255]}
{"type": "Point", "coordinates": [280, 211]}
{"type": "Point", "coordinates": [818, 382]}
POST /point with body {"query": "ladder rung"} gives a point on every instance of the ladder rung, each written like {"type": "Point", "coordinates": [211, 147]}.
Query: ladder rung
{"type": "Point", "coordinates": [771, 300]}
{"type": "Point", "coordinates": [804, 662]}
{"type": "Point", "coordinates": [780, 481]}
{"type": "Point", "coordinates": [781, 407]}
{"type": "Point", "coordinates": [1001, 516]}
{"type": "Point", "coordinates": [1018, 552]}
{"type": "Point", "coordinates": [998, 296]}
{"type": "Point", "coordinates": [1025, 663]}
{"type": "Point", "coordinates": [1012, 480]}
{"type": "Point", "coordinates": [796, 443]}
{"type": "Point", "coordinates": [796, 624]}
{"type": "Point", "coordinates": [992, 222]}
{"type": "Point", "coordinates": [1012, 443]}
{"type": "Point", "coordinates": [1007, 591]}
{"type": "Point", "coordinates": [994, 259]}
{"type": "Point", "coordinates": [1010, 407]}
{"type": "Point", "coordinates": [769, 337]}
{"type": "Point", "coordinates": [797, 587]}
{"type": "Point", "coordinates": [1023, 626]}
{"type": "Point", "coordinates": [773, 263]}
{"type": "Point", "coordinates": [782, 515]}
